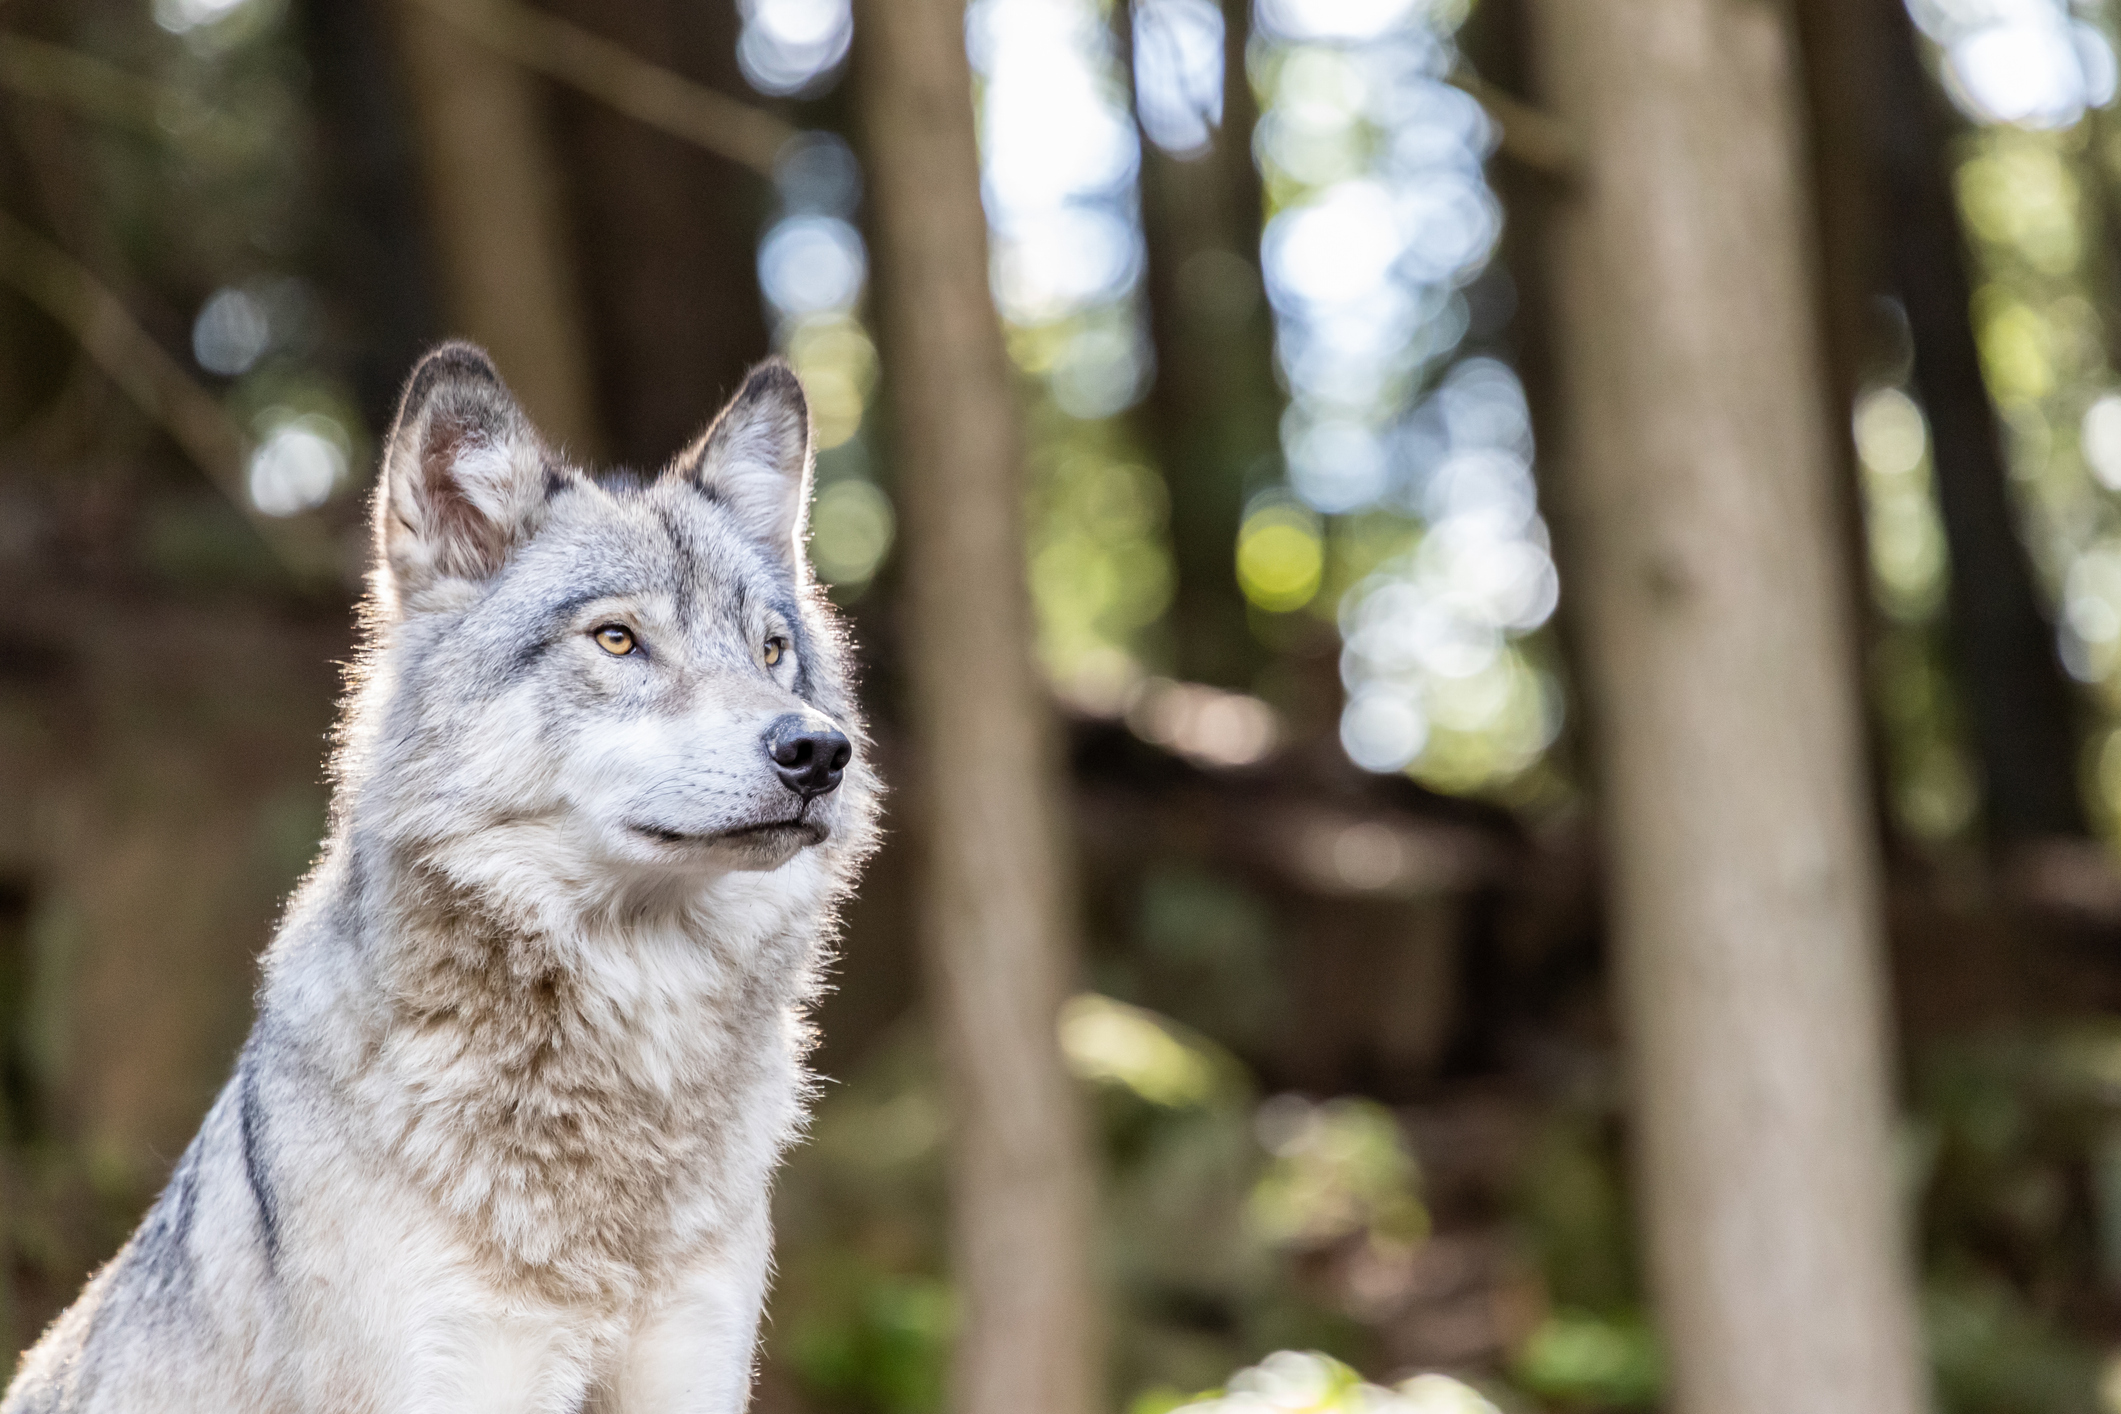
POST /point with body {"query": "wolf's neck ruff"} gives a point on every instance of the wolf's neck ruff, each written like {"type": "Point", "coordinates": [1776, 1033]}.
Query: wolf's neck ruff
{"type": "Point", "coordinates": [576, 1102]}
{"type": "Point", "coordinates": [531, 1035]}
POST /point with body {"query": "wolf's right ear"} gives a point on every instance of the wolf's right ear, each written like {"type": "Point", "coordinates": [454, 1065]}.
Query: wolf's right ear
{"type": "Point", "coordinates": [755, 460]}
{"type": "Point", "coordinates": [463, 474]}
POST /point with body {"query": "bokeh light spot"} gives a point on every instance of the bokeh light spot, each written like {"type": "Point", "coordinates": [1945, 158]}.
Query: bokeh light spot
{"type": "Point", "coordinates": [851, 528]}
{"type": "Point", "coordinates": [792, 47]}
{"type": "Point", "coordinates": [232, 332]}
{"type": "Point", "coordinates": [1280, 558]}
{"type": "Point", "coordinates": [812, 265]}
{"type": "Point", "coordinates": [298, 465]}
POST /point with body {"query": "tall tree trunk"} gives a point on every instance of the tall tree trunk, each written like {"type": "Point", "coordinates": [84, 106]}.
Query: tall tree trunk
{"type": "Point", "coordinates": [1889, 225]}
{"type": "Point", "coordinates": [1694, 471]}
{"type": "Point", "coordinates": [495, 213]}
{"type": "Point", "coordinates": [1213, 413]}
{"type": "Point", "coordinates": [1839, 42]}
{"type": "Point", "coordinates": [994, 920]}
{"type": "Point", "coordinates": [379, 267]}
{"type": "Point", "coordinates": [2018, 699]}
{"type": "Point", "coordinates": [668, 235]}
{"type": "Point", "coordinates": [1840, 52]}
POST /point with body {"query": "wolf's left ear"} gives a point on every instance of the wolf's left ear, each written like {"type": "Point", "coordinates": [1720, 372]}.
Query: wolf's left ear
{"type": "Point", "coordinates": [755, 460]}
{"type": "Point", "coordinates": [463, 474]}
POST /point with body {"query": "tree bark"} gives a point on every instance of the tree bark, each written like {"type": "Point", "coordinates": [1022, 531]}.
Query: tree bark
{"type": "Point", "coordinates": [994, 919]}
{"type": "Point", "coordinates": [493, 199]}
{"type": "Point", "coordinates": [2018, 698]}
{"type": "Point", "coordinates": [1213, 414]}
{"type": "Point", "coordinates": [1839, 45]}
{"type": "Point", "coordinates": [1889, 225]}
{"type": "Point", "coordinates": [380, 266]}
{"type": "Point", "coordinates": [1694, 469]}
{"type": "Point", "coordinates": [668, 236]}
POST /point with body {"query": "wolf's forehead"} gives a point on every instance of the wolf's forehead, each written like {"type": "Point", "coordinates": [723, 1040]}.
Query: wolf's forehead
{"type": "Point", "coordinates": [666, 541]}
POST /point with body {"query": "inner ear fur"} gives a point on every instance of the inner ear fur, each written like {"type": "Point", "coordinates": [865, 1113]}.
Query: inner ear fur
{"type": "Point", "coordinates": [464, 473]}
{"type": "Point", "coordinates": [755, 459]}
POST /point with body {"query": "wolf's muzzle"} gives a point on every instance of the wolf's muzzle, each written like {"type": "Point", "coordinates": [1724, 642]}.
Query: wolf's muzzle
{"type": "Point", "coordinates": [809, 754]}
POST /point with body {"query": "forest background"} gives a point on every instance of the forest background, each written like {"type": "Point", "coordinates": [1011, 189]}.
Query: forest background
{"type": "Point", "coordinates": [1470, 501]}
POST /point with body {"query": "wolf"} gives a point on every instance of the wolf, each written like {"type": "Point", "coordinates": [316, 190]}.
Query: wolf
{"type": "Point", "coordinates": [530, 1037]}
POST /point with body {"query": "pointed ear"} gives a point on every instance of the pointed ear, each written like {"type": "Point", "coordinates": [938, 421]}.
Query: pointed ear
{"type": "Point", "coordinates": [464, 473]}
{"type": "Point", "coordinates": [755, 460]}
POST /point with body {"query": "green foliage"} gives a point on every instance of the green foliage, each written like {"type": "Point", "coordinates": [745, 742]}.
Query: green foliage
{"type": "Point", "coordinates": [1100, 557]}
{"type": "Point", "coordinates": [1994, 1353]}
{"type": "Point", "coordinates": [1307, 1382]}
{"type": "Point", "coordinates": [1573, 1205]}
{"type": "Point", "coordinates": [1596, 1349]}
{"type": "Point", "coordinates": [1339, 1169]}
{"type": "Point", "coordinates": [1218, 1207]}
{"type": "Point", "coordinates": [2010, 1139]}
{"type": "Point", "coordinates": [1111, 1042]}
{"type": "Point", "coordinates": [1585, 1360]}
{"type": "Point", "coordinates": [1198, 947]}
{"type": "Point", "coordinates": [881, 1344]}
{"type": "Point", "coordinates": [1203, 1234]}
{"type": "Point", "coordinates": [861, 1311]}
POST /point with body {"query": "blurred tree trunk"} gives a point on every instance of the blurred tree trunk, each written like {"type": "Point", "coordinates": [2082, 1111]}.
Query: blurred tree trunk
{"type": "Point", "coordinates": [1840, 52]}
{"type": "Point", "coordinates": [1840, 56]}
{"type": "Point", "coordinates": [1213, 411]}
{"type": "Point", "coordinates": [994, 926]}
{"type": "Point", "coordinates": [2018, 698]}
{"type": "Point", "coordinates": [1694, 472]}
{"type": "Point", "coordinates": [668, 235]}
{"type": "Point", "coordinates": [1889, 225]}
{"type": "Point", "coordinates": [380, 266]}
{"type": "Point", "coordinates": [495, 217]}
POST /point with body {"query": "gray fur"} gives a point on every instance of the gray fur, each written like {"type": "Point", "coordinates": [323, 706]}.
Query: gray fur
{"type": "Point", "coordinates": [529, 1041]}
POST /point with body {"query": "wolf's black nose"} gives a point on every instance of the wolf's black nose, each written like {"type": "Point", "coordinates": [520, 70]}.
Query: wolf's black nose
{"type": "Point", "coordinates": [808, 755]}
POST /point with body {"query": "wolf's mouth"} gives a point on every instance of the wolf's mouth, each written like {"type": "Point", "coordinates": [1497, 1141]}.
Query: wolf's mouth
{"type": "Point", "coordinates": [808, 831]}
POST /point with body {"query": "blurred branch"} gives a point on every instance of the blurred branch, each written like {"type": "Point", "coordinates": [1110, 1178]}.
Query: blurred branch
{"type": "Point", "coordinates": [614, 75]}
{"type": "Point", "coordinates": [54, 73]}
{"type": "Point", "coordinates": [1530, 138]}
{"type": "Point", "coordinates": [71, 294]}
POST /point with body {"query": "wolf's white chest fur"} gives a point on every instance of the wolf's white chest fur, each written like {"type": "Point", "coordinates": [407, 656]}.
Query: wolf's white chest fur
{"type": "Point", "coordinates": [585, 1106]}
{"type": "Point", "coordinates": [565, 1143]}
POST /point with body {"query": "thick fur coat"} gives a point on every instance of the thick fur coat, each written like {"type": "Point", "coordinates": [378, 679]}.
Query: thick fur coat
{"type": "Point", "coordinates": [530, 1038]}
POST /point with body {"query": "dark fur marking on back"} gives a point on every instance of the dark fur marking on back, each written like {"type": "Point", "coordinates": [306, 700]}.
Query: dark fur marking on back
{"type": "Point", "coordinates": [161, 1259]}
{"type": "Point", "coordinates": [152, 1280]}
{"type": "Point", "coordinates": [254, 1166]}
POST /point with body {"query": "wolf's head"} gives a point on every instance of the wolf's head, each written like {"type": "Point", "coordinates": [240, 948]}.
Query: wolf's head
{"type": "Point", "coordinates": [607, 687]}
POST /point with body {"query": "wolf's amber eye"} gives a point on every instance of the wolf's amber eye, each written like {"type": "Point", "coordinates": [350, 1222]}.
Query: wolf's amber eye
{"type": "Point", "coordinates": [775, 647]}
{"type": "Point", "coordinates": [615, 640]}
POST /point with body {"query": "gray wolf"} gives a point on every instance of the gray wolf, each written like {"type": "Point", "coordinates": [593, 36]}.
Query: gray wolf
{"type": "Point", "coordinates": [530, 1037]}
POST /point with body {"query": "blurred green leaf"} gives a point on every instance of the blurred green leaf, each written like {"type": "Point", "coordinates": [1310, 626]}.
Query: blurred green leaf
{"type": "Point", "coordinates": [1605, 1362]}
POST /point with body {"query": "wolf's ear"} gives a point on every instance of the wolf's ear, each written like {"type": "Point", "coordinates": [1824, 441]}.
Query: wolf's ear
{"type": "Point", "coordinates": [755, 460]}
{"type": "Point", "coordinates": [463, 473]}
